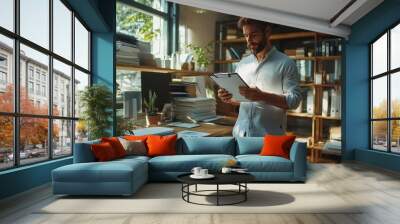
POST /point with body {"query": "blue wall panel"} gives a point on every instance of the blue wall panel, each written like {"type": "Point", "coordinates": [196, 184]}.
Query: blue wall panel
{"type": "Point", "coordinates": [357, 84]}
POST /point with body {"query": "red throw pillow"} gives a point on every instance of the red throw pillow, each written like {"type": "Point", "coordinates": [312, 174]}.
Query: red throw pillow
{"type": "Point", "coordinates": [277, 145]}
{"type": "Point", "coordinates": [103, 151]}
{"type": "Point", "coordinates": [116, 145]}
{"type": "Point", "coordinates": [161, 145]}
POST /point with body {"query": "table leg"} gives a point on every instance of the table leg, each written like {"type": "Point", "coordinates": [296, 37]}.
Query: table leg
{"type": "Point", "coordinates": [217, 194]}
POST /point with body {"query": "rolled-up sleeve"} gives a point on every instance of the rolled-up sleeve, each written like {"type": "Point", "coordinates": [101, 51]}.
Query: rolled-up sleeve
{"type": "Point", "coordinates": [290, 85]}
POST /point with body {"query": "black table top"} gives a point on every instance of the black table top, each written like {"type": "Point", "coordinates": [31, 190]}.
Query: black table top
{"type": "Point", "coordinates": [220, 178]}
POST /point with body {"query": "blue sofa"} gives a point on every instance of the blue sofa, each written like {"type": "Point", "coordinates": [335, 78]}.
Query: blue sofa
{"type": "Point", "coordinates": [125, 176]}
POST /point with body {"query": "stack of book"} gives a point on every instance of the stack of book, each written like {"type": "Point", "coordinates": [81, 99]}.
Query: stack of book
{"type": "Point", "coordinates": [127, 53]}
{"type": "Point", "coordinates": [182, 89]}
{"type": "Point", "coordinates": [329, 47]}
{"type": "Point", "coordinates": [187, 109]}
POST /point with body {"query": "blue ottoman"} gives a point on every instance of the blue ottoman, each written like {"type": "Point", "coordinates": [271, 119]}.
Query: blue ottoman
{"type": "Point", "coordinates": [119, 177]}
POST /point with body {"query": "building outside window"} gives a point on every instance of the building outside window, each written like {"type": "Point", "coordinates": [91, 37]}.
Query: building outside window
{"type": "Point", "coordinates": [385, 95]}
{"type": "Point", "coordinates": [54, 135]}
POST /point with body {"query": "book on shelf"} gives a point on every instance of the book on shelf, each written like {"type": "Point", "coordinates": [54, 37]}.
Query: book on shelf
{"type": "Point", "coordinates": [310, 101]}
{"type": "Point", "coordinates": [329, 47]}
{"type": "Point", "coordinates": [305, 69]}
{"type": "Point", "coordinates": [326, 103]}
{"type": "Point", "coordinates": [335, 103]}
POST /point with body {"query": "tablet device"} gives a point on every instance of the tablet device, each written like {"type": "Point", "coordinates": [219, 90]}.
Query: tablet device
{"type": "Point", "coordinates": [230, 82]}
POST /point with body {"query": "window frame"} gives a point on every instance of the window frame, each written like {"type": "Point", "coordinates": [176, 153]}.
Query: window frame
{"type": "Point", "coordinates": [15, 68]}
{"type": "Point", "coordinates": [388, 74]}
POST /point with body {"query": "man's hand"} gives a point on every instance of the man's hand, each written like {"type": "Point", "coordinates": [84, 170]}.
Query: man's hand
{"type": "Point", "coordinates": [252, 94]}
{"type": "Point", "coordinates": [224, 95]}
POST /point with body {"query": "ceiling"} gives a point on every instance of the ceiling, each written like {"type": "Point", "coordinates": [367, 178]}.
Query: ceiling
{"type": "Point", "coordinates": [313, 15]}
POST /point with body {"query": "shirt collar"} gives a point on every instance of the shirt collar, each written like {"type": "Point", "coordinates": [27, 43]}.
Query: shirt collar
{"type": "Point", "coordinates": [270, 52]}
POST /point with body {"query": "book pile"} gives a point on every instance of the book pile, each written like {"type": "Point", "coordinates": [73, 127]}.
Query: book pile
{"type": "Point", "coordinates": [187, 109]}
{"type": "Point", "coordinates": [127, 53]}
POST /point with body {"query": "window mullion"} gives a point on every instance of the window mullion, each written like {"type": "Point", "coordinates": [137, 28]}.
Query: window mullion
{"type": "Point", "coordinates": [16, 84]}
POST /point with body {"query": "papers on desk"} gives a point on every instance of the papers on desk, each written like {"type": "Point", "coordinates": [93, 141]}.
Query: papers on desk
{"type": "Point", "coordinates": [194, 109]}
{"type": "Point", "coordinates": [153, 131]}
{"type": "Point", "coordinates": [230, 82]}
{"type": "Point", "coordinates": [183, 125]}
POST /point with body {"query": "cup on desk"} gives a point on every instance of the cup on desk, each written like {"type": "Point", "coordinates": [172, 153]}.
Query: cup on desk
{"type": "Point", "coordinates": [196, 171]}
{"type": "Point", "coordinates": [226, 170]}
{"type": "Point", "coordinates": [203, 172]}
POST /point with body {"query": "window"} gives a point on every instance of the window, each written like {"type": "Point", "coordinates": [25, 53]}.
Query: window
{"type": "Point", "coordinates": [30, 88]}
{"type": "Point", "coordinates": [7, 14]}
{"type": "Point", "coordinates": [45, 131]}
{"type": "Point", "coordinates": [385, 96]}
{"type": "Point", "coordinates": [149, 27]}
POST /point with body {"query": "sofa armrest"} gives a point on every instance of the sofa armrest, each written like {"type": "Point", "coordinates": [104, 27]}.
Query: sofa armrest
{"type": "Point", "coordinates": [298, 155]}
{"type": "Point", "coordinates": [83, 152]}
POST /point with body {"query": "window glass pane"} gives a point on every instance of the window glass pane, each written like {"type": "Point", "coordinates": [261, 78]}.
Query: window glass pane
{"type": "Point", "coordinates": [81, 131]}
{"type": "Point", "coordinates": [7, 14]}
{"type": "Point", "coordinates": [62, 29]}
{"type": "Point", "coordinates": [395, 47]}
{"type": "Point", "coordinates": [81, 45]}
{"type": "Point", "coordinates": [62, 138]}
{"type": "Point", "coordinates": [6, 142]}
{"type": "Point", "coordinates": [150, 30]}
{"type": "Point", "coordinates": [81, 81]}
{"type": "Point", "coordinates": [159, 5]}
{"type": "Point", "coordinates": [6, 74]}
{"type": "Point", "coordinates": [33, 139]}
{"type": "Point", "coordinates": [36, 101]}
{"type": "Point", "coordinates": [395, 138]}
{"type": "Point", "coordinates": [395, 95]}
{"type": "Point", "coordinates": [379, 55]}
{"type": "Point", "coordinates": [35, 21]}
{"type": "Point", "coordinates": [379, 135]}
{"type": "Point", "coordinates": [62, 89]}
{"type": "Point", "coordinates": [379, 98]}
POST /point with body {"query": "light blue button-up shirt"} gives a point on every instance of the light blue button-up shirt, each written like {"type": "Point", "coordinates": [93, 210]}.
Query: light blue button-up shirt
{"type": "Point", "coordinates": [277, 73]}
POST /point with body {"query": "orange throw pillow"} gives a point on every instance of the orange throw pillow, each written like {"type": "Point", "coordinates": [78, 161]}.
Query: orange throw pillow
{"type": "Point", "coordinates": [116, 145]}
{"type": "Point", "coordinates": [161, 145]}
{"type": "Point", "coordinates": [277, 145]}
{"type": "Point", "coordinates": [103, 152]}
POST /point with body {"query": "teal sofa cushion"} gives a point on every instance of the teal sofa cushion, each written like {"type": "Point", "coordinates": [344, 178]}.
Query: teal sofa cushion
{"type": "Point", "coordinates": [207, 145]}
{"type": "Point", "coordinates": [185, 163]}
{"type": "Point", "coordinates": [257, 163]}
{"type": "Point", "coordinates": [249, 145]}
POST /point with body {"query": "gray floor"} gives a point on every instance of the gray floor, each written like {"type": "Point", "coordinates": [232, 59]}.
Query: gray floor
{"type": "Point", "coordinates": [378, 189]}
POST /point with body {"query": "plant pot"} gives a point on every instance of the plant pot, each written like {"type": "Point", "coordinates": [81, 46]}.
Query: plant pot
{"type": "Point", "coordinates": [152, 120]}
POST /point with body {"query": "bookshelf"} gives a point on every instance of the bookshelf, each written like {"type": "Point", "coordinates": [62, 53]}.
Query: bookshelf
{"type": "Point", "coordinates": [320, 53]}
{"type": "Point", "coordinates": [160, 70]}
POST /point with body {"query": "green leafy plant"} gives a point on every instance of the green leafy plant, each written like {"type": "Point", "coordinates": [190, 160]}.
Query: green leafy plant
{"type": "Point", "coordinates": [150, 103]}
{"type": "Point", "coordinates": [96, 104]}
{"type": "Point", "coordinates": [201, 54]}
{"type": "Point", "coordinates": [135, 22]}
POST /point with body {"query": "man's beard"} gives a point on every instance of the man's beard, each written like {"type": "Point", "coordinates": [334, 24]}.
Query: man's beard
{"type": "Point", "coordinates": [260, 47]}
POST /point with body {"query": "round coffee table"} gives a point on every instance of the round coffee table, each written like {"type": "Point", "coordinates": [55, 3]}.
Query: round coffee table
{"type": "Point", "coordinates": [238, 179]}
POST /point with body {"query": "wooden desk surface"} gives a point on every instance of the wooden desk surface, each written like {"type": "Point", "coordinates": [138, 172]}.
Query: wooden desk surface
{"type": "Point", "coordinates": [213, 129]}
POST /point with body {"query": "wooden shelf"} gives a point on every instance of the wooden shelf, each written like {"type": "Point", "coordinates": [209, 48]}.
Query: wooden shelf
{"type": "Point", "coordinates": [143, 68]}
{"type": "Point", "coordinates": [327, 118]}
{"type": "Point", "coordinates": [274, 37]}
{"type": "Point", "coordinates": [226, 61]}
{"type": "Point", "coordinates": [302, 58]}
{"type": "Point", "coordinates": [305, 115]}
{"type": "Point", "coordinates": [327, 58]}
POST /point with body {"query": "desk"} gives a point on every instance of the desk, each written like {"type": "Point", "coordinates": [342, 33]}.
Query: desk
{"type": "Point", "coordinates": [212, 129]}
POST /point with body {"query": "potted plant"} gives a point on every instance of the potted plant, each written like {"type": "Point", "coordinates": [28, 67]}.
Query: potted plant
{"type": "Point", "coordinates": [96, 104]}
{"type": "Point", "coordinates": [201, 55]}
{"type": "Point", "coordinates": [152, 117]}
